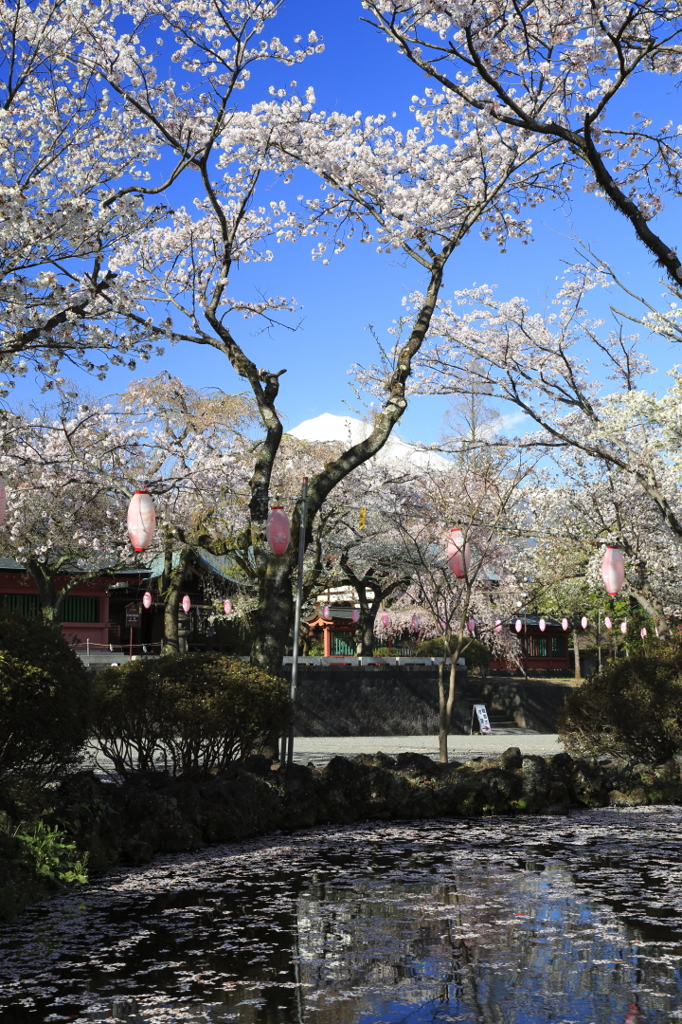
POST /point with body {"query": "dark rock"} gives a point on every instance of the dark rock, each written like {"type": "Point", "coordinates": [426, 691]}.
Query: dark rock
{"type": "Point", "coordinates": [418, 764]}
{"type": "Point", "coordinates": [257, 764]}
{"type": "Point", "coordinates": [535, 778]}
{"type": "Point", "coordinates": [511, 759]}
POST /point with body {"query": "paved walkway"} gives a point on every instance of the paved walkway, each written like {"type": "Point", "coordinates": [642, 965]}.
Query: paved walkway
{"type": "Point", "coordinates": [320, 749]}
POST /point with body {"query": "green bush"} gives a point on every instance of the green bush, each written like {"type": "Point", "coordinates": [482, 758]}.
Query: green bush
{"type": "Point", "coordinates": [51, 856]}
{"type": "Point", "coordinates": [475, 653]}
{"type": "Point", "coordinates": [633, 709]}
{"type": "Point", "coordinates": [186, 713]}
{"type": "Point", "coordinates": [45, 699]}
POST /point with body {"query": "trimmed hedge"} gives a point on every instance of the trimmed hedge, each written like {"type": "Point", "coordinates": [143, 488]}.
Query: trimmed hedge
{"type": "Point", "coordinates": [633, 709]}
{"type": "Point", "coordinates": [186, 713]}
{"type": "Point", "coordinates": [476, 654]}
{"type": "Point", "coordinates": [45, 699]}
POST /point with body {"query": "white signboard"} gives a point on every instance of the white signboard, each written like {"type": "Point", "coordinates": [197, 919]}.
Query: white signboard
{"type": "Point", "coordinates": [479, 713]}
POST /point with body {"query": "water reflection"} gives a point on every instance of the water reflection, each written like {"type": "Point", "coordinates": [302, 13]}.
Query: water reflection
{"type": "Point", "coordinates": [507, 921]}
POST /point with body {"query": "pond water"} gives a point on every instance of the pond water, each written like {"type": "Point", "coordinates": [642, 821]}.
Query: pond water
{"type": "Point", "coordinates": [569, 920]}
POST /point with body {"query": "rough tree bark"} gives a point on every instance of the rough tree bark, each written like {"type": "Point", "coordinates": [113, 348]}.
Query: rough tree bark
{"type": "Point", "coordinates": [170, 586]}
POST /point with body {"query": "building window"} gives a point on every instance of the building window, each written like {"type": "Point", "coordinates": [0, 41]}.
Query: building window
{"type": "Point", "coordinates": [558, 647]}
{"type": "Point", "coordinates": [80, 609]}
{"type": "Point", "coordinates": [341, 644]}
{"type": "Point", "coordinates": [537, 646]}
{"type": "Point", "coordinates": [25, 604]}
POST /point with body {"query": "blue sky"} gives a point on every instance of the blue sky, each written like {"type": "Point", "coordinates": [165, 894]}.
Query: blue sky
{"type": "Point", "coordinates": [360, 71]}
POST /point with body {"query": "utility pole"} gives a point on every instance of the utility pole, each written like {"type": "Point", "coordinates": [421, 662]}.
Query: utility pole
{"type": "Point", "coordinates": [297, 620]}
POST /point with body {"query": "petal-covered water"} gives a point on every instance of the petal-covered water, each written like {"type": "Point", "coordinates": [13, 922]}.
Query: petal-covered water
{"type": "Point", "coordinates": [500, 920]}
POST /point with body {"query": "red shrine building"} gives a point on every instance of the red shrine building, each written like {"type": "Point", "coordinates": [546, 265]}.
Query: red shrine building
{"type": "Point", "coordinates": [543, 650]}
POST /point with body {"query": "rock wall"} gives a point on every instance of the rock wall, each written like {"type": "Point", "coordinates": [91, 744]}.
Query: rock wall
{"type": "Point", "coordinates": [403, 701]}
{"type": "Point", "coordinates": [154, 813]}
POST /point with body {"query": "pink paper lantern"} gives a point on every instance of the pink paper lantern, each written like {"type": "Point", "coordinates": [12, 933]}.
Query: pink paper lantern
{"type": "Point", "coordinates": [147, 600]}
{"type": "Point", "coordinates": [326, 613]}
{"type": "Point", "coordinates": [613, 570]}
{"type": "Point", "coordinates": [384, 619]}
{"type": "Point", "coordinates": [543, 625]}
{"type": "Point", "coordinates": [607, 622]}
{"type": "Point", "coordinates": [472, 625]}
{"type": "Point", "coordinates": [186, 604]}
{"type": "Point", "coordinates": [564, 623]}
{"type": "Point", "coordinates": [583, 622]}
{"type": "Point", "coordinates": [642, 632]}
{"type": "Point", "coordinates": [623, 627]}
{"type": "Point", "coordinates": [459, 553]}
{"type": "Point", "coordinates": [518, 625]}
{"type": "Point", "coordinates": [141, 520]}
{"type": "Point", "coordinates": [277, 530]}
{"type": "Point", "coordinates": [415, 622]}
{"type": "Point", "coordinates": [498, 625]}
{"type": "Point", "coordinates": [227, 606]}
{"type": "Point", "coordinates": [3, 501]}
{"type": "Point", "coordinates": [355, 615]}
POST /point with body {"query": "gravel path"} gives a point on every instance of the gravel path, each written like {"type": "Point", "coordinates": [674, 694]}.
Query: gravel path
{"type": "Point", "coordinates": [320, 749]}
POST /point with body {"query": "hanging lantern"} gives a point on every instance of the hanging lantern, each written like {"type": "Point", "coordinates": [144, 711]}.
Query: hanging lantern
{"type": "Point", "coordinates": [415, 622]}
{"type": "Point", "coordinates": [642, 632]}
{"type": "Point", "coordinates": [613, 570]}
{"type": "Point", "coordinates": [384, 620]}
{"type": "Point", "coordinates": [147, 600]}
{"type": "Point", "coordinates": [564, 624]}
{"type": "Point", "coordinates": [518, 626]}
{"type": "Point", "coordinates": [3, 501]}
{"type": "Point", "coordinates": [326, 614]}
{"type": "Point", "coordinates": [277, 530]}
{"type": "Point", "coordinates": [583, 622]}
{"type": "Point", "coordinates": [498, 625]}
{"type": "Point", "coordinates": [141, 520]}
{"type": "Point", "coordinates": [459, 553]}
{"type": "Point", "coordinates": [472, 625]}
{"type": "Point", "coordinates": [355, 615]}
{"type": "Point", "coordinates": [186, 604]}
{"type": "Point", "coordinates": [607, 622]}
{"type": "Point", "coordinates": [623, 628]}
{"type": "Point", "coordinates": [543, 625]}
{"type": "Point", "coordinates": [227, 606]}
{"type": "Point", "coordinates": [442, 623]}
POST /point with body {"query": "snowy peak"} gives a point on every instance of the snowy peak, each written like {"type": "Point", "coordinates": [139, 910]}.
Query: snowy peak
{"type": "Point", "coordinates": [349, 430]}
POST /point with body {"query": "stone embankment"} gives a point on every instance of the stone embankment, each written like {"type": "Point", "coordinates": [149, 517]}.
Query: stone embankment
{"type": "Point", "coordinates": [152, 813]}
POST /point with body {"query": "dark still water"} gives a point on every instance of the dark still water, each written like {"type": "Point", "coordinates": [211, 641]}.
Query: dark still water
{"type": "Point", "coordinates": [493, 921]}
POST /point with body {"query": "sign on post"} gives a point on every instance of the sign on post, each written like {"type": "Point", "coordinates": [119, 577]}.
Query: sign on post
{"type": "Point", "coordinates": [132, 615]}
{"type": "Point", "coordinates": [479, 716]}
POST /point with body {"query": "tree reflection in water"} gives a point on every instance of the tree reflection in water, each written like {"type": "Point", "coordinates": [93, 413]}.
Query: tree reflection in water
{"type": "Point", "coordinates": [494, 921]}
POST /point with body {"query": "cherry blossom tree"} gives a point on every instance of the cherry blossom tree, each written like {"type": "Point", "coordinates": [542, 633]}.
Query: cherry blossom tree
{"type": "Point", "coordinates": [71, 469]}
{"type": "Point", "coordinates": [63, 523]}
{"type": "Point", "coordinates": [558, 71]}
{"type": "Point", "coordinates": [160, 271]}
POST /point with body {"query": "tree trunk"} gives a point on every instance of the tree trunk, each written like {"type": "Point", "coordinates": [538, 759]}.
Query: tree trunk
{"type": "Point", "coordinates": [653, 606]}
{"type": "Point", "coordinates": [51, 601]}
{"type": "Point", "coordinates": [273, 617]}
{"type": "Point", "coordinates": [576, 655]}
{"type": "Point", "coordinates": [171, 585]}
{"type": "Point", "coordinates": [443, 724]}
{"type": "Point", "coordinates": [367, 637]}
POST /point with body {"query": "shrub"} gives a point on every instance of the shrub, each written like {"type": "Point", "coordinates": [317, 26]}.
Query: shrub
{"type": "Point", "coordinates": [45, 699]}
{"type": "Point", "coordinates": [186, 713]}
{"type": "Point", "coordinates": [632, 710]}
{"type": "Point", "coordinates": [475, 654]}
{"type": "Point", "coordinates": [52, 856]}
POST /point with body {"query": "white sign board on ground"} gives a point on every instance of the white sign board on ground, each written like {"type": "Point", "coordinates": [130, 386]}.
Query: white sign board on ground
{"type": "Point", "coordinates": [479, 719]}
